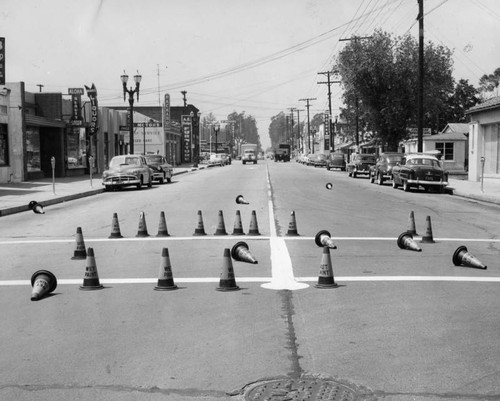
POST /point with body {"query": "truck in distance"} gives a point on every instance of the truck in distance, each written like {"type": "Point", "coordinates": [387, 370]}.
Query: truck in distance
{"type": "Point", "coordinates": [249, 153]}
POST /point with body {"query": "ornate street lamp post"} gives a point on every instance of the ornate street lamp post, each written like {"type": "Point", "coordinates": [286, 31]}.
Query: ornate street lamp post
{"type": "Point", "coordinates": [137, 79]}
{"type": "Point", "coordinates": [216, 130]}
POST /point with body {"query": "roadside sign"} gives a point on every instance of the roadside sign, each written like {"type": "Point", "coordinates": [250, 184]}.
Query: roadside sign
{"type": "Point", "coordinates": [75, 91]}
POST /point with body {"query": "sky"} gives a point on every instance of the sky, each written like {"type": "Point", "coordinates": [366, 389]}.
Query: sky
{"type": "Point", "coordinates": [256, 56]}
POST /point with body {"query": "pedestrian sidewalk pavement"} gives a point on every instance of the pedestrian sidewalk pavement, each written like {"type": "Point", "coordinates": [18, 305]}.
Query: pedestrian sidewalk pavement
{"type": "Point", "coordinates": [15, 197]}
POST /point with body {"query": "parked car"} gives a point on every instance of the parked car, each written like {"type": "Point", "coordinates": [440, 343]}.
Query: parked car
{"type": "Point", "coordinates": [319, 160]}
{"type": "Point", "coordinates": [419, 170]}
{"type": "Point", "coordinates": [162, 171]}
{"type": "Point", "coordinates": [226, 159]}
{"type": "Point", "coordinates": [360, 164]}
{"type": "Point", "coordinates": [127, 170]}
{"type": "Point", "coordinates": [215, 160]}
{"type": "Point", "coordinates": [382, 170]}
{"type": "Point", "coordinates": [336, 160]}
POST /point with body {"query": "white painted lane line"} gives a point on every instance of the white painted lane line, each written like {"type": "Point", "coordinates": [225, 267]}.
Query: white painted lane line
{"type": "Point", "coordinates": [411, 278]}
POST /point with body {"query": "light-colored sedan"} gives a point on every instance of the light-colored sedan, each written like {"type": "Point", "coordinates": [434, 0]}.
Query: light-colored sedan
{"type": "Point", "coordinates": [127, 170]}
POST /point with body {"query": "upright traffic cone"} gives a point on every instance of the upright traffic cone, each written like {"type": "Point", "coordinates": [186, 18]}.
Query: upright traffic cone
{"type": "Point", "coordinates": [325, 277]}
{"type": "Point", "coordinates": [91, 278]}
{"type": "Point", "coordinates": [254, 228]}
{"type": "Point", "coordinates": [227, 280]}
{"type": "Point", "coordinates": [165, 277]}
{"type": "Point", "coordinates": [406, 241]}
{"type": "Point", "coordinates": [142, 230]}
{"type": "Point", "coordinates": [461, 257]}
{"type": "Point", "coordinates": [43, 283]}
{"type": "Point", "coordinates": [411, 224]}
{"type": "Point", "coordinates": [200, 230]}
{"type": "Point", "coordinates": [80, 252]}
{"type": "Point", "coordinates": [241, 200]}
{"type": "Point", "coordinates": [323, 239]}
{"type": "Point", "coordinates": [241, 253]}
{"type": "Point", "coordinates": [238, 227]}
{"type": "Point", "coordinates": [36, 207]}
{"type": "Point", "coordinates": [162, 226]}
{"type": "Point", "coordinates": [427, 237]}
{"type": "Point", "coordinates": [115, 227]}
{"type": "Point", "coordinates": [221, 228]}
{"type": "Point", "coordinates": [292, 225]}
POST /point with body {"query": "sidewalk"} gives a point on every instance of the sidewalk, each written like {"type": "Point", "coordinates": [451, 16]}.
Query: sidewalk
{"type": "Point", "coordinates": [14, 198]}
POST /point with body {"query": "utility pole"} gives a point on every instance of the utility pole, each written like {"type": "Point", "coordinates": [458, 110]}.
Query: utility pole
{"type": "Point", "coordinates": [420, 102]}
{"type": "Point", "coordinates": [184, 98]}
{"type": "Point", "coordinates": [299, 144]}
{"type": "Point", "coordinates": [308, 122]}
{"type": "Point", "coordinates": [356, 38]}
{"type": "Point", "coordinates": [292, 109]}
{"type": "Point", "coordinates": [329, 83]}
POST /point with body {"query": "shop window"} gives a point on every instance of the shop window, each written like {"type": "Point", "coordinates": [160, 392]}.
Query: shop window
{"type": "Point", "coordinates": [33, 149]}
{"type": "Point", "coordinates": [76, 150]}
{"type": "Point", "coordinates": [4, 145]}
{"type": "Point", "coordinates": [446, 149]}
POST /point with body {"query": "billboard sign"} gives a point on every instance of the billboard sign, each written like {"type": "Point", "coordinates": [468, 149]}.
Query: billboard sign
{"type": "Point", "coordinates": [2, 61]}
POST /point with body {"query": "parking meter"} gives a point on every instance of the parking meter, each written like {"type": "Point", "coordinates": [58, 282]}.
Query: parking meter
{"type": "Point", "coordinates": [482, 172]}
{"type": "Point", "coordinates": [91, 167]}
{"type": "Point", "coordinates": [53, 163]}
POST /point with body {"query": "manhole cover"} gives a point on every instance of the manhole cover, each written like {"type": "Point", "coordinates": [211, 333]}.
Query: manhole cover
{"type": "Point", "coordinates": [300, 389]}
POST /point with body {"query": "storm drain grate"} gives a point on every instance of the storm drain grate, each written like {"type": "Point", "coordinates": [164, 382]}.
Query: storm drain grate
{"type": "Point", "coordinates": [300, 389]}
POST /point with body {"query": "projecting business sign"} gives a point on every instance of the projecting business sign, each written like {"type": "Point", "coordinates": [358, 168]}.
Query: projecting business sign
{"type": "Point", "coordinates": [166, 111]}
{"type": "Point", "coordinates": [94, 111]}
{"type": "Point", "coordinates": [2, 61]}
{"type": "Point", "coordinates": [76, 102]}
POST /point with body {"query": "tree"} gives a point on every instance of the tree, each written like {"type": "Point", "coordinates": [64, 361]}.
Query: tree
{"type": "Point", "coordinates": [380, 81]}
{"type": "Point", "coordinates": [463, 97]}
{"type": "Point", "coordinates": [489, 83]}
{"type": "Point", "coordinates": [242, 130]}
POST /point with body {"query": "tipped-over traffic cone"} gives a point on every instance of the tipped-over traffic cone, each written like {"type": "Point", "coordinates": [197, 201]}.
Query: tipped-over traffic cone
{"type": "Point", "coordinates": [254, 228]}
{"type": "Point", "coordinates": [221, 228]}
{"type": "Point", "coordinates": [329, 185]}
{"type": "Point", "coordinates": [292, 225]}
{"type": "Point", "coordinates": [80, 252]}
{"type": "Point", "coordinates": [406, 241]}
{"type": "Point", "coordinates": [43, 283]}
{"type": "Point", "coordinates": [427, 237]}
{"type": "Point", "coordinates": [325, 277]}
{"type": "Point", "coordinates": [238, 227]}
{"type": "Point", "coordinates": [241, 200]}
{"type": "Point", "coordinates": [142, 230]}
{"type": "Point", "coordinates": [115, 227]}
{"type": "Point", "coordinates": [227, 280]}
{"type": "Point", "coordinates": [36, 207]}
{"type": "Point", "coordinates": [461, 257]}
{"type": "Point", "coordinates": [162, 226]}
{"type": "Point", "coordinates": [91, 278]}
{"type": "Point", "coordinates": [323, 239]}
{"type": "Point", "coordinates": [241, 253]}
{"type": "Point", "coordinates": [411, 224]}
{"type": "Point", "coordinates": [165, 277]}
{"type": "Point", "coordinates": [200, 230]}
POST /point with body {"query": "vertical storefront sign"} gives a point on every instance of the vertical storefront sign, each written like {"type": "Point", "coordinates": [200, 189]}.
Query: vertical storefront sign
{"type": "Point", "coordinates": [327, 131]}
{"type": "Point", "coordinates": [186, 134]}
{"type": "Point", "coordinates": [166, 112]}
{"type": "Point", "coordinates": [94, 114]}
{"type": "Point", "coordinates": [76, 102]}
{"type": "Point", "coordinates": [2, 61]}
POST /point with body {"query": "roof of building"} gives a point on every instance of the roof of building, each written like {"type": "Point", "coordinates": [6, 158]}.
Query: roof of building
{"type": "Point", "coordinates": [448, 136]}
{"type": "Point", "coordinates": [492, 103]}
{"type": "Point", "coordinates": [456, 127]}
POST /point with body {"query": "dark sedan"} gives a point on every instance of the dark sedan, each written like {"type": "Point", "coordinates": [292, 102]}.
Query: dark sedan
{"type": "Point", "coordinates": [162, 171]}
{"type": "Point", "coordinates": [419, 170]}
{"type": "Point", "coordinates": [382, 170]}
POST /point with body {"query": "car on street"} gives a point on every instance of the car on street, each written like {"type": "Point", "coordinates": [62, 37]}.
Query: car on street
{"type": "Point", "coordinates": [215, 160]}
{"type": "Point", "coordinates": [319, 160]}
{"type": "Point", "coordinates": [162, 171]}
{"type": "Point", "coordinates": [127, 170]}
{"type": "Point", "coordinates": [419, 170]}
{"type": "Point", "coordinates": [382, 170]}
{"type": "Point", "coordinates": [360, 164]}
{"type": "Point", "coordinates": [336, 160]}
{"type": "Point", "coordinates": [226, 159]}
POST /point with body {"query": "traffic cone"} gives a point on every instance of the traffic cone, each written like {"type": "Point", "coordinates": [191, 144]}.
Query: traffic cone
{"type": "Point", "coordinates": [427, 238]}
{"type": "Point", "coordinates": [463, 258]}
{"type": "Point", "coordinates": [329, 185]}
{"type": "Point", "coordinates": [241, 200]}
{"type": "Point", "coordinates": [254, 228]}
{"type": "Point", "coordinates": [227, 280]}
{"type": "Point", "coordinates": [115, 227]}
{"type": "Point", "coordinates": [162, 226]}
{"type": "Point", "coordinates": [411, 224]}
{"type": "Point", "coordinates": [406, 241]}
{"type": "Point", "coordinates": [80, 252]}
{"type": "Point", "coordinates": [43, 283]}
{"type": "Point", "coordinates": [91, 278]}
{"type": "Point", "coordinates": [238, 228]}
{"type": "Point", "coordinates": [323, 239]}
{"type": "Point", "coordinates": [142, 231]}
{"type": "Point", "coordinates": [36, 207]}
{"type": "Point", "coordinates": [221, 229]}
{"type": "Point", "coordinates": [241, 253]}
{"type": "Point", "coordinates": [165, 277]}
{"type": "Point", "coordinates": [200, 230]}
{"type": "Point", "coordinates": [292, 225]}
{"type": "Point", "coordinates": [325, 277]}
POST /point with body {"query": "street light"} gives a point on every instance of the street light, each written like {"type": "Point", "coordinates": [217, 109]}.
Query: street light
{"type": "Point", "coordinates": [137, 79]}
{"type": "Point", "coordinates": [216, 129]}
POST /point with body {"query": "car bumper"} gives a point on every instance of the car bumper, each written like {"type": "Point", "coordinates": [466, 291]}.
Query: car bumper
{"type": "Point", "coordinates": [425, 182]}
{"type": "Point", "coordinates": [120, 181]}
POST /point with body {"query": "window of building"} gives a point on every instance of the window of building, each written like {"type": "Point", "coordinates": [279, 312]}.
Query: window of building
{"type": "Point", "coordinates": [76, 149]}
{"type": "Point", "coordinates": [33, 149]}
{"type": "Point", "coordinates": [446, 149]}
{"type": "Point", "coordinates": [4, 145]}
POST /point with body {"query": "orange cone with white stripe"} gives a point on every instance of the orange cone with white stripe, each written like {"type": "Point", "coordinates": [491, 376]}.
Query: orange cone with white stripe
{"type": "Point", "coordinates": [325, 277]}
{"type": "Point", "coordinates": [162, 226]}
{"type": "Point", "coordinates": [238, 227]}
{"type": "Point", "coordinates": [115, 227]}
{"type": "Point", "coordinates": [221, 228]}
{"type": "Point", "coordinates": [292, 225]}
{"type": "Point", "coordinates": [227, 280]}
{"type": "Point", "coordinates": [91, 278]}
{"type": "Point", "coordinates": [200, 229]}
{"type": "Point", "coordinates": [142, 231]}
{"type": "Point", "coordinates": [427, 238]}
{"type": "Point", "coordinates": [241, 253]}
{"type": "Point", "coordinates": [406, 241]}
{"type": "Point", "coordinates": [80, 252]}
{"type": "Point", "coordinates": [254, 228]}
{"type": "Point", "coordinates": [411, 224]}
{"type": "Point", "coordinates": [461, 257]}
{"type": "Point", "coordinates": [165, 277]}
{"type": "Point", "coordinates": [43, 283]}
{"type": "Point", "coordinates": [323, 238]}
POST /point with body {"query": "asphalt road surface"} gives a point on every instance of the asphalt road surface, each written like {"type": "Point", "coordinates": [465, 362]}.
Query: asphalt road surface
{"type": "Point", "coordinates": [401, 325]}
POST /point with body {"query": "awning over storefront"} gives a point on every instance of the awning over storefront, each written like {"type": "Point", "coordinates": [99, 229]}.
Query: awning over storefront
{"type": "Point", "coordinates": [38, 121]}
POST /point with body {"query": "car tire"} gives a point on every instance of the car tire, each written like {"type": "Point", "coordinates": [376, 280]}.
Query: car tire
{"type": "Point", "coordinates": [169, 179]}
{"type": "Point", "coordinates": [394, 185]}
{"type": "Point", "coordinates": [380, 179]}
{"type": "Point", "coordinates": [139, 186]}
{"type": "Point", "coordinates": [354, 174]}
{"type": "Point", "coordinates": [150, 182]}
{"type": "Point", "coordinates": [162, 180]}
{"type": "Point", "coordinates": [107, 188]}
{"type": "Point", "coordinates": [372, 178]}
{"type": "Point", "coordinates": [406, 186]}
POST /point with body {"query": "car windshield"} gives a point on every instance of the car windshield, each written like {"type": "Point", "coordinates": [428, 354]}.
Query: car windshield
{"type": "Point", "coordinates": [154, 159]}
{"type": "Point", "coordinates": [130, 160]}
{"type": "Point", "coordinates": [394, 158]}
{"type": "Point", "coordinates": [367, 158]}
{"type": "Point", "coordinates": [423, 162]}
